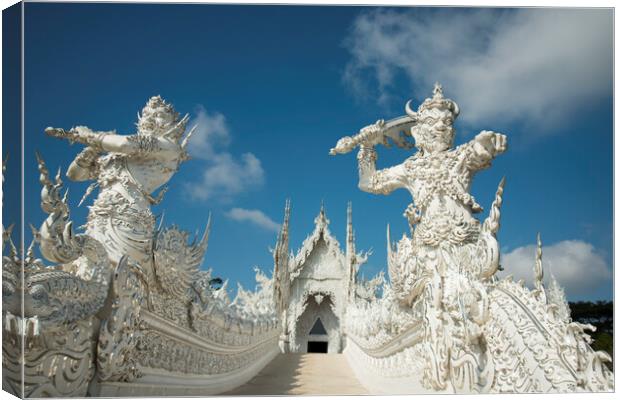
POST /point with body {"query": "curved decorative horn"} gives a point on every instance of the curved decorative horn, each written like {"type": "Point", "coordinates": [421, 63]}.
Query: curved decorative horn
{"type": "Point", "coordinates": [456, 109]}
{"type": "Point", "coordinates": [409, 111]}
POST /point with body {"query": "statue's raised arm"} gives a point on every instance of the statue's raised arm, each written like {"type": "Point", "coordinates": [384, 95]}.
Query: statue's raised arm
{"type": "Point", "coordinates": [159, 131]}
{"type": "Point", "coordinates": [111, 142]}
{"type": "Point", "coordinates": [483, 149]}
{"type": "Point", "coordinates": [392, 132]}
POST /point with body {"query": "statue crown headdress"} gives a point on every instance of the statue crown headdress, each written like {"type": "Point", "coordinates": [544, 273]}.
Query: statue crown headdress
{"type": "Point", "coordinates": [159, 118]}
{"type": "Point", "coordinates": [437, 101]}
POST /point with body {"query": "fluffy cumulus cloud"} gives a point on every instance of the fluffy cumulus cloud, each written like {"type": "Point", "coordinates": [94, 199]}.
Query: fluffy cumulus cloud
{"type": "Point", "coordinates": [255, 217]}
{"type": "Point", "coordinates": [224, 175]}
{"type": "Point", "coordinates": [534, 66]}
{"type": "Point", "coordinates": [576, 265]}
{"type": "Point", "coordinates": [211, 131]}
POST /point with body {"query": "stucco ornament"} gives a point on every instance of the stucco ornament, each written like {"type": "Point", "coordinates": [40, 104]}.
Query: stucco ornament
{"type": "Point", "coordinates": [472, 332]}
{"type": "Point", "coordinates": [59, 303]}
{"type": "Point", "coordinates": [176, 261]}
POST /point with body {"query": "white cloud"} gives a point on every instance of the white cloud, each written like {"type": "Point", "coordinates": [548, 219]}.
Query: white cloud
{"type": "Point", "coordinates": [211, 131]}
{"type": "Point", "coordinates": [535, 66]}
{"type": "Point", "coordinates": [224, 175]}
{"type": "Point", "coordinates": [256, 217]}
{"type": "Point", "coordinates": [576, 265]}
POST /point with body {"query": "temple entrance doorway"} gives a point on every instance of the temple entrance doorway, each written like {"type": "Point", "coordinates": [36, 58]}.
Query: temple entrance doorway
{"type": "Point", "coordinates": [317, 338]}
{"type": "Point", "coordinates": [317, 347]}
{"type": "Point", "coordinates": [318, 328]}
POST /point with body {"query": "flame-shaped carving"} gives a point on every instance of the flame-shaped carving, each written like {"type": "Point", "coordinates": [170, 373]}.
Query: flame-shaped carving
{"type": "Point", "coordinates": [176, 261]}
{"type": "Point", "coordinates": [491, 224]}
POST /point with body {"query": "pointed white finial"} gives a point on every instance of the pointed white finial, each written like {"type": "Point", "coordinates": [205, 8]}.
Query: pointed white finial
{"type": "Point", "coordinates": [287, 214]}
{"type": "Point", "coordinates": [438, 90]}
{"type": "Point", "coordinates": [321, 219]}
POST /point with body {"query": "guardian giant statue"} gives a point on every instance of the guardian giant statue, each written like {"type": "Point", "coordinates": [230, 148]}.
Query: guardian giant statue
{"type": "Point", "coordinates": [467, 331]}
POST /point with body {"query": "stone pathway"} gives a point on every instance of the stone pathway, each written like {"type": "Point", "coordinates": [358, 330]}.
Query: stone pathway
{"type": "Point", "coordinates": [299, 374]}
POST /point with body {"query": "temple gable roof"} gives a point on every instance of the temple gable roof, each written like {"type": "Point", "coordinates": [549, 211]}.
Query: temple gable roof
{"type": "Point", "coordinates": [321, 233]}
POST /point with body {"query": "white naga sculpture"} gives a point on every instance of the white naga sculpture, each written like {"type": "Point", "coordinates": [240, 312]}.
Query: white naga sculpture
{"type": "Point", "coordinates": [464, 330]}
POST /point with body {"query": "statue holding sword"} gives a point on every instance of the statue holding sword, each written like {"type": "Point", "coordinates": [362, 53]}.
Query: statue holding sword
{"type": "Point", "coordinates": [436, 173]}
{"type": "Point", "coordinates": [442, 268]}
{"type": "Point", "coordinates": [438, 176]}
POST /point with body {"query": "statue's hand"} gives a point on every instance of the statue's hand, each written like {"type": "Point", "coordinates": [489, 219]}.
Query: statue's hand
{"type": "Point", "coordinates": [368, 136]}
{"type": "Point", "coordinates": [372, 130]}
{"type": "Point", "coordinates": [83, 131]}
{"type": "Point", "coordinates": [80, 134]}
{"type": "Point", "coordinates": [490, 142]}
{"type": "Point", "coordinates": [61, 133]}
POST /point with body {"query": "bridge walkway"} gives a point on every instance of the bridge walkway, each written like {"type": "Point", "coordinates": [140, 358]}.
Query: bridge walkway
{"type": "Point", "coordinates": [299, 374]}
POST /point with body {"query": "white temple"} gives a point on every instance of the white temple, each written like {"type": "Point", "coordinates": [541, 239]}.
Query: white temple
{"type": "Point", "coordinates": [122, 309]}
{"type": "Point", "coordinates": [314, 286]}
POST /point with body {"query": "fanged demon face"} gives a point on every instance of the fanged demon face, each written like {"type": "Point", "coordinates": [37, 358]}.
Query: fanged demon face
{"type": "Point", "coordinates": [158, 118]}
{"type": "Point", "coordinates": [433, 131]}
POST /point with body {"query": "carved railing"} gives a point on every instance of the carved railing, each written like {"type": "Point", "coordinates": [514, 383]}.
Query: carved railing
{"type": "Point", "coordinates": [217, 357]}
{"type": "Point", "coordinates": [383, 346]}
{"type": "Point", "coordinates": [528, 346]}
{"type": "Point", "coordinates": [99, 328]}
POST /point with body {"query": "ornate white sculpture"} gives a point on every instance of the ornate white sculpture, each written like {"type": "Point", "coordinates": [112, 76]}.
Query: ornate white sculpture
{"type": "Point", "coordinates": [162, 315]}
{"type": "Point", "coordinates": [123, 309]}
{"type": "Point", "coordinates": [473, 333]}
{"type": "Point", "coordinates": [60, 304]}
{"type": "Point", "coordinates": [127, 170]}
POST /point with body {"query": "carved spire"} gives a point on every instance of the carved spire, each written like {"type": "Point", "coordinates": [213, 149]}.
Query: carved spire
{"type": "Point", "coordinates": [393, 274]}
{"type": "Point", "coordinates": [287, 216]}
{"type": "Point", "coordinates": [350, 250]}
{"type": "Point", "coordinates": [321, 219]}
{"type": "Point", "coordinates": [350, 232]}
{"type": "Point", "coordinates": [538, 269]}
{"type": "Point", "coordinates": [282, 243]}
{"type": "Point", "coordinates": [281, 261]}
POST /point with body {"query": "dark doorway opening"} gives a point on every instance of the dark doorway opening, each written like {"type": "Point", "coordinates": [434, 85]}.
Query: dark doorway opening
{"type": "Point", "coordinates": [317, 347]}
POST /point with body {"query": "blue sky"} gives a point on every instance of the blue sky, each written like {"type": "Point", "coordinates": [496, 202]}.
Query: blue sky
{"type": "Point", "coordinates": [273, 88]}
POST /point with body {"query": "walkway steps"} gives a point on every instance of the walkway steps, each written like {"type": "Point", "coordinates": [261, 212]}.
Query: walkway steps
{"type": "Point", "coordinates": [303, 374]}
